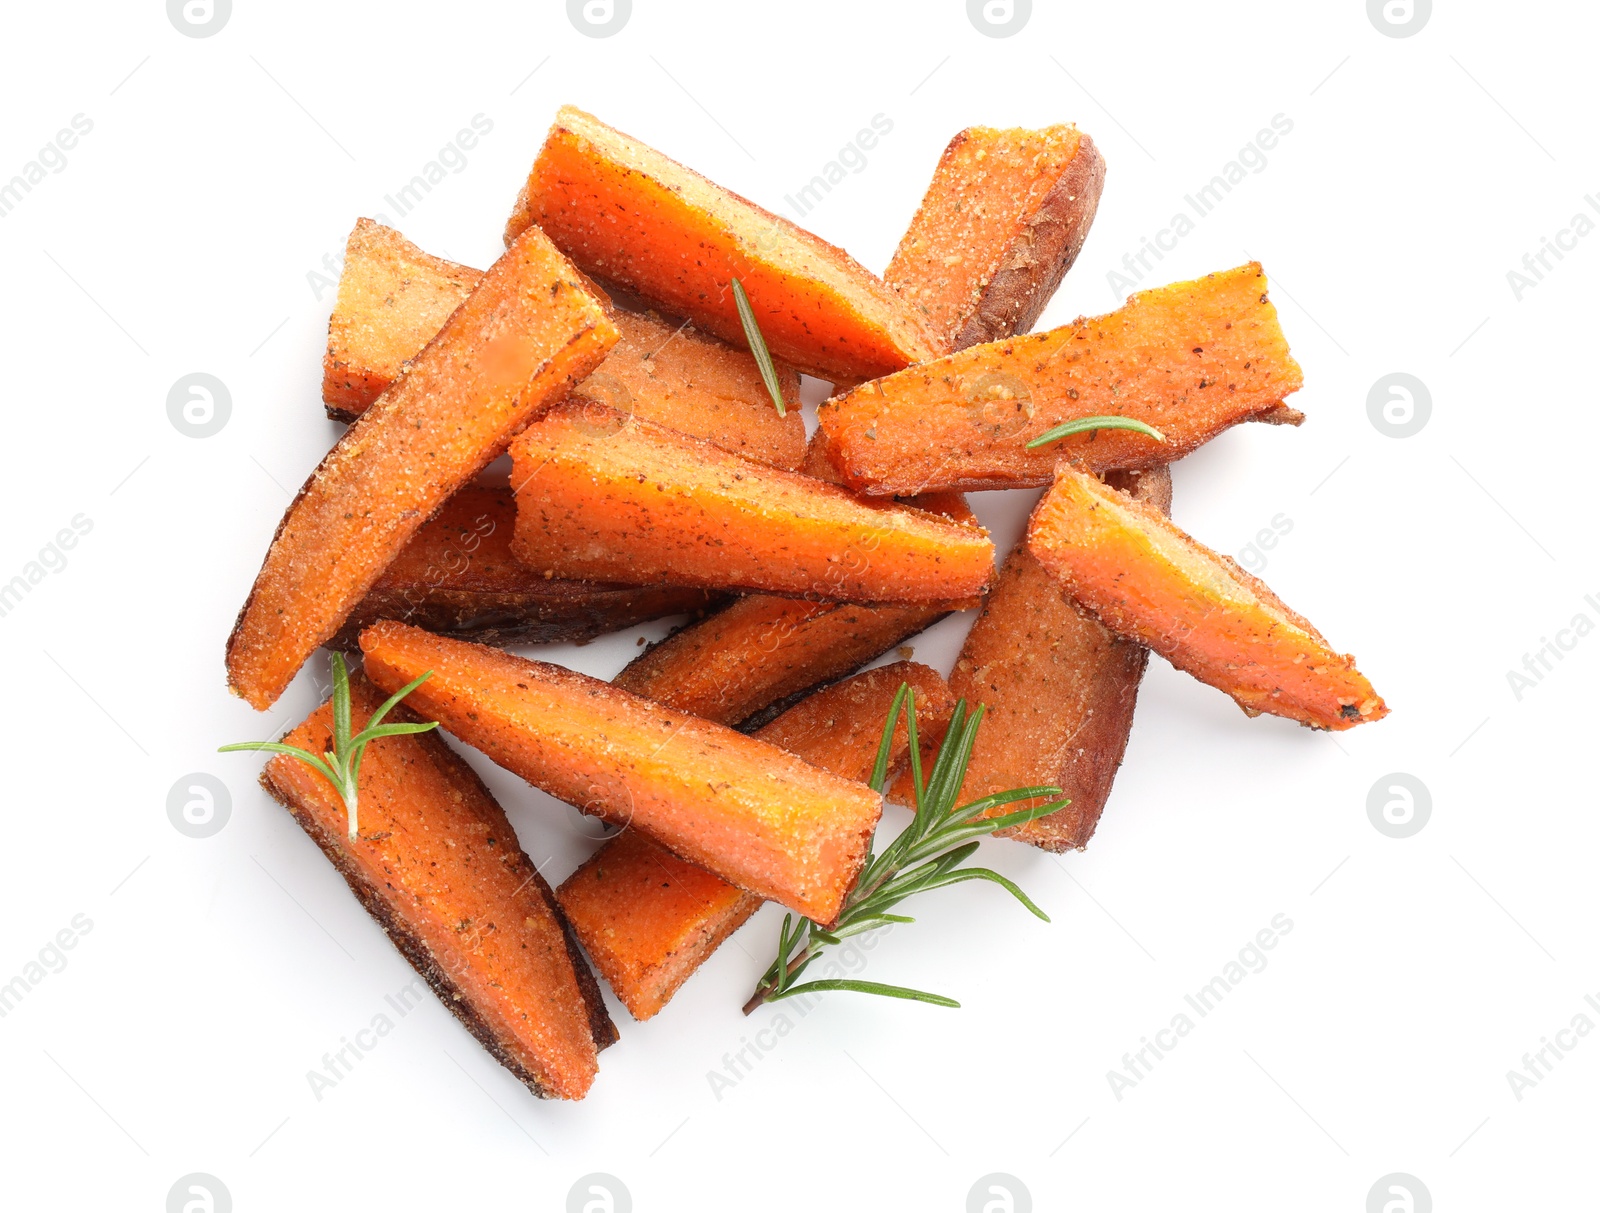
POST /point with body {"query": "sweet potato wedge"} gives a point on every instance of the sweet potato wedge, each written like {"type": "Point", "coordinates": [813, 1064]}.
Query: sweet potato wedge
{"type": "Point", "coordinates": [748, 811]}
{"type": "Point", "coordinates": [1191, 359]}
{"type": "Point", "coordinates": [393, 298]}
{"type": "Point", "coordinates": [1058, 690]}
{"type": "Point", "coordinates": [625, 213]}
{"type": "Point", "coordinates": [525, 335]}
{"type": "Point", "coordinates": [951, 504]}
{"type": "Point", "coordinates": [458, 577]}
{"type": "Point", "coordinates": [701, 386]}
{"type": "Point", "coordinates": [1002, 222]}
{"type": "Point", "coordinates": [760, 650]}
{"type": "Point", "coordinates": [604, 498]}
{"type": "Point", "coordinates": [438, 865]}
{"type": "Point", "coordinates": [1148, 581]}
{"type": "Point", "coordinates": [649, 919]}
{"type": "Point", "coordinates": [840, 727]}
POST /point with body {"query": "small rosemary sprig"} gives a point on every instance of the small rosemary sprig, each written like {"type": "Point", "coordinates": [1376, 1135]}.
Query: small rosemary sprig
{"type": "Point", "coordinates": [758, 346]}
{"type": "Point", "coordinates": [1068, 428]}
{"type": "Point", "coordinates": [927, 855]}
{"type": "Point", "coordinates": [341, 766]}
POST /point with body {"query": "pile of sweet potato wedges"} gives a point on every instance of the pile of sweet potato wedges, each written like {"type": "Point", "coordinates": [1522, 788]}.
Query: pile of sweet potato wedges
{"type": "Point", "coordinates": [653, 476]}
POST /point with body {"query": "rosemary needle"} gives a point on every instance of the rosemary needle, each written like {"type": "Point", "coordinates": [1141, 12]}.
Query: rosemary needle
{"type": "Point", "coordinates": [341, 766]}
{"type": "Point", "coordinates": [928, 854]}
{"type": "Point", "coordinates": [1069, 428]}
{"type": "Point", "coordinates": [758, 346]}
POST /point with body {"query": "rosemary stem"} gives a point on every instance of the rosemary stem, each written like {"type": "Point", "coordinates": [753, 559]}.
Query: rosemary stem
{"type": "Point", "coordinates": [928, 854]}
{"type": "Point", "coordinates": [764, 990]}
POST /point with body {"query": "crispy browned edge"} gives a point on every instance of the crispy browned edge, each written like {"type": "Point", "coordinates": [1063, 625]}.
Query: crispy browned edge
{"type": "Point", "coordinates": [1034, 264]}
{"type": "Point", "coordinates": [581, 613]}
{"type": "Point", "coordinates": [411, 945]}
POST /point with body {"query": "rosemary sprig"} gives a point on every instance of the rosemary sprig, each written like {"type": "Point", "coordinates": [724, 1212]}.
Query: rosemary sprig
{"type": "Point", "coordinates": [1068, 428]}
{"type": "Point", "coordinates": [927, 855]}
{"type": "Point", "coordinates": [758, 346]}
{"type": "Point", "coordinates": [341, 766]}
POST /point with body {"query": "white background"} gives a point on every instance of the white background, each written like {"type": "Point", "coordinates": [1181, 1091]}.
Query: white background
{"type": "Point", "coordinates": [179, 237]}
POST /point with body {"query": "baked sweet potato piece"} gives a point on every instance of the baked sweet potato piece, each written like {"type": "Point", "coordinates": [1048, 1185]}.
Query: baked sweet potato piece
{"type": "Point", "coordinates": [438, 865]}
{"type": "Point", "coordinates": [760, 650]}
{"type": "Point", "coordinates": [748, 811]}
{"type": "Point", "coordinates": [458, 577]}
{"type": "Point", "coordinates": [1002, 222]}
{"type": "Point", "coordinates": [601, 497]}
{"type": "Point", "coordinates": [393, 298]}
{"type": "Point", "coordinates": [701, 386]}
{"type": "Point", "coordinates": [525, 335]}
{"type": "Point", "coordinates": [1058, 688]}
{"type": "Point", "coordinates": [952, 505]}
{"type": "Point", "coordinates": [649, 919]}
{"type": "Point", "coordinates": [625, 213]}
{"type": "Point", "coordinates": [840, 727]}
{"type": "Point", "coordinates": [1149, 582]}
{"type": "Point", "coordinates": [1191, 359]}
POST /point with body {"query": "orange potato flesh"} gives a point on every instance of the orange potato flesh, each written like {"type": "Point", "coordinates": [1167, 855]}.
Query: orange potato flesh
{"type": "Point", "coordinates": [1191, 359]}
{"type": "Point", "coordinates": [603, 498]}
{"type": "Point", "coordinates": [649, 919]}
{"type": "Point", "coordinates": [761, 650]}
{"type": "Point", "coordinates": [625, 213]}
{"type": "Point", "coordinates": [1149, 582]}
{"type": "Point", "coordinates": [1058, 690]}
{"type": "Point", "coordinates": [525, 335]}
{"type": "Point", "coordinates": [393, 298]}
{"type": "Point", "coordinates": [1002, 222]}
{"type": "Point", "coordinates": [701, 386]}
{"type": "Point", "coordinates": [438, 865]}
{"type": "Point", "coordinates": [457, 576]}
{"type": "Point", "coordinates": [746, 810]}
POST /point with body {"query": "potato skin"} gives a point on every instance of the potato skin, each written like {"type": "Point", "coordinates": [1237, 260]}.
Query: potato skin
{"type": "Point", "coordinates": [1059, 690]}
{"type": "Point", "coordinates": [1002, 221]}
{"type": "Point", "coordinates": [1041, 254]}
{"type": "Point", "coordinates": [566, 612]}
